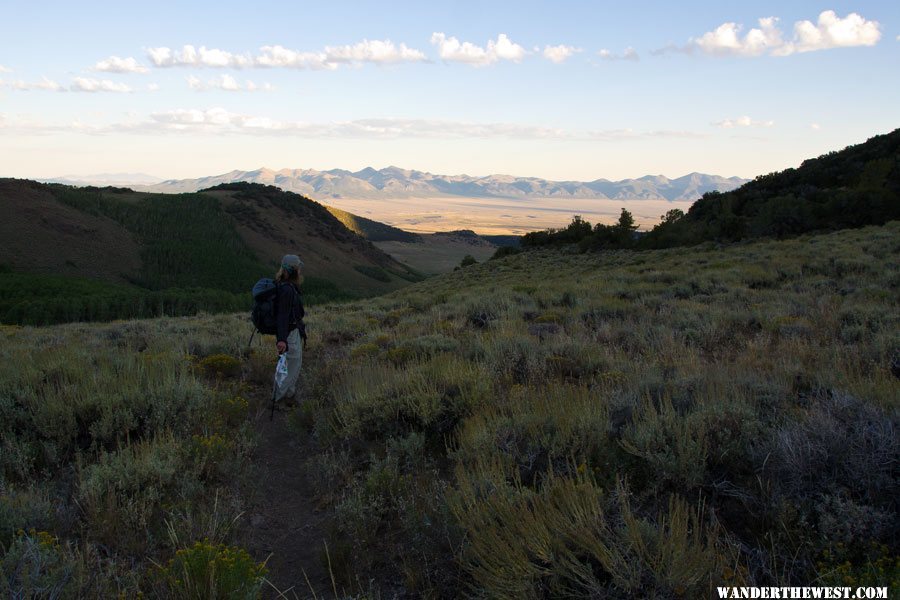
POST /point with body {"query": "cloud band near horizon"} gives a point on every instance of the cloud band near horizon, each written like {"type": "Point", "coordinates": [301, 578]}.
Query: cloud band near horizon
{"type": "Point", "coordinates": [218, 121]}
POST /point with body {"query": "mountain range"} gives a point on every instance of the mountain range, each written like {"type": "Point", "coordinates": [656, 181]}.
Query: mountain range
{"type": "Point", "coordinates": [393, 182]}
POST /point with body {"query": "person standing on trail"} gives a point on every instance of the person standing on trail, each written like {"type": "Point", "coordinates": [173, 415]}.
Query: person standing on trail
{"type": "Point", "coordinates": [290, 329]}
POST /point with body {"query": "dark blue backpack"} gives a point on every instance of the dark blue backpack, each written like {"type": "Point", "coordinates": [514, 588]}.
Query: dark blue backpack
{"type": "Point", "coordinates": [265, 306]}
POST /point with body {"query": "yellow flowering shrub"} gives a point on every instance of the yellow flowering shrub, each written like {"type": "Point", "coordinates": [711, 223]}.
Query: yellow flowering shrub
{"type": "Point", "coordinates": [220, 365]}
{"type": "Point", "coordinates": [208, 571]}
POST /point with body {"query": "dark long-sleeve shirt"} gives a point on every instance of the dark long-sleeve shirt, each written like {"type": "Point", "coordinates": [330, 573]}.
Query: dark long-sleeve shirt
{"type": "Point", "coordinates": [289, 315]}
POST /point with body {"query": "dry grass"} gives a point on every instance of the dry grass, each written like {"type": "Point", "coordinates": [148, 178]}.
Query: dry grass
{"type": "Point", "coordinates": [713, 380]}
{"type": "Point", "coordinates": [112, 438]}
{"type": "Point", "coordinates": [627, 424]}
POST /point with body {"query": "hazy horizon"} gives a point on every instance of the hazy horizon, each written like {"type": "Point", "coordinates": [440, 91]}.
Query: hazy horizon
{"type": "Point", "coordinates": [86, 176]}
{"type": "Point", "coordinates": [561, 92]}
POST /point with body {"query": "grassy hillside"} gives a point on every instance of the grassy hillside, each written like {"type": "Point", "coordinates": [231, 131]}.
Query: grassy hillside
{"type": "Point", "coordinates": [186, 240]}
{"type": "Point", "coordinates": [857, 186]}
{"type": "Point", "coordinates": [39, 234]}
{"type": "Point", "coordinates": [123, 254]}
{"type": "Point", "coordinates": [373, 231]}
{"type": "Point", "coordinates": [269, 220]}
{"type": "Point", "coordinates": [440, 252]}
{"type": "Point", "coordinates": [631, 424]}
{"type": "Point", "coordinates": [625, 425]}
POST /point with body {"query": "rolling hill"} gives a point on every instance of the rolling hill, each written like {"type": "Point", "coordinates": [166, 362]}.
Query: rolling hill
{"type": "Point", "coordinates": [374, 231]}
{"type": "Point", "coordinates": [853, 187]}
{"type": "Point", "coordinates": [221, 239]}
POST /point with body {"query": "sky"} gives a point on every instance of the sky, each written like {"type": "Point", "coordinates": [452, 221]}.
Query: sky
{"type": "Point", "coordinates": [561, 90]}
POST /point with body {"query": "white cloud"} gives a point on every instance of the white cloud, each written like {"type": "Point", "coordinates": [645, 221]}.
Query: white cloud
{"type": "Point", "coordinates": [279, 56]}
{"type": "Point", "coordinates": [195, 83]}
{"type": "Point", "coordinates": [561, 53]}
{"type": "Point", "coordinates": [726, 39]}
{"type": "Point", "coordinates": [226, 83]}
{"type": "Point", "coordinates": [5, 69]}
{"type": "Point", "coordinates": [86, 84]}
{"type": "Point", "coordinates": [79, 84]}
{"type": "Point", "coordinates": [379, 52]}
{"type": "Point", "coordinates": [114, 64]}
{"type": "Point", "coordinates": [830, 31]}
{"type": "Point", "coordinates": [815, 126]}
{"type": "Point", "coordinates": [152, 87]}
{"type": "Point", "coordinates": [451, 49]}
{"type": "Point", "coordinates": [25, 86]}
{"type": "Point", "coordinates": [189, 56]}
{"type": "Point", "coordinates": [629, 54]}
{"type": "Point", "coordinates": [229, 83]}
{"type": "Point", "coordinates": [219, 121]}
{"type": "Point", "coordinates": [743, 121]}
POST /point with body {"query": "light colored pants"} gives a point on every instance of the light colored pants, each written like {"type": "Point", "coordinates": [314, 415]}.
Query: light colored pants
{"type": "Point", "coordinates": [294, 361]}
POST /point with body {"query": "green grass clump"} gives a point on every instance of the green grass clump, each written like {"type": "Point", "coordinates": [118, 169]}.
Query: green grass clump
{"type": "Point", "coordinates": [213, 571]}
{"type": "Point", "coordinates": [220, 365]}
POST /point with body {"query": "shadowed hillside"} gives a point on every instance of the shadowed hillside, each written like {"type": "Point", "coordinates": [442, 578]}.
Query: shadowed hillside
{"type": "Point", "coordinates": [40, 234]}
{"type": "Point", "coordinates": [270, 219]}
{"type": "Point", "coordinates": [857, 186]}
{"type": "Point", "coordinates": [137, 254]}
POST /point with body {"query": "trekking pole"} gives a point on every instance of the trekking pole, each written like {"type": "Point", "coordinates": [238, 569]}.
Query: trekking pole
{"type": "Point", "coordinates": [274, 393]}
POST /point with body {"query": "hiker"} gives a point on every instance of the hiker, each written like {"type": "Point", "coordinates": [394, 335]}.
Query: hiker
{"type": "Point", "coordinates": [289, 323]}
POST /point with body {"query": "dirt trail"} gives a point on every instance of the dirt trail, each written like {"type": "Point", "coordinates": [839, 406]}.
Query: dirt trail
{"type": "Point", "coordinates": [283, 519]}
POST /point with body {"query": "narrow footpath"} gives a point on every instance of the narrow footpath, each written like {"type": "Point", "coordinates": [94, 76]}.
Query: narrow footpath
{"type": "Point", "coordinates": [282, 521]}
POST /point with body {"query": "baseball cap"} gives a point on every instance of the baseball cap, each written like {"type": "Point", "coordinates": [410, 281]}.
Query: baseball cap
{"type": "Point", "coordinates": [291, 260]}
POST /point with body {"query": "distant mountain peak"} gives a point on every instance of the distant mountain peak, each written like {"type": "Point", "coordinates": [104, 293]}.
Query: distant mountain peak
{"type": "Point", "coordinates": [395, 182]}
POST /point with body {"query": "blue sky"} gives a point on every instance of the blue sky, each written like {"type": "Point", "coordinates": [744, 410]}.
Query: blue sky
{"type": "Point", "coordinates": [561, 90]}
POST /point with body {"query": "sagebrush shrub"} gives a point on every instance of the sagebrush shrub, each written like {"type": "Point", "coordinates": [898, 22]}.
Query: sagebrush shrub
{"type": "Point", "coordinates": [207, 571]}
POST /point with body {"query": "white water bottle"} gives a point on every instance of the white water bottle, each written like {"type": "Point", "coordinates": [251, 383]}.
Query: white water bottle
{"type": "Point", "coordinates": [281, 371]}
